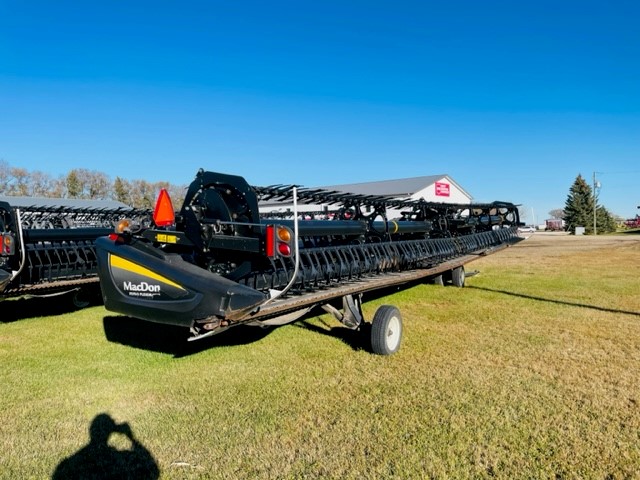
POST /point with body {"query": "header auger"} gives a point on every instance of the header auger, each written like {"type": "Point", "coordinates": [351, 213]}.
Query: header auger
{"type": "Point", "coordinates": [220, 263]}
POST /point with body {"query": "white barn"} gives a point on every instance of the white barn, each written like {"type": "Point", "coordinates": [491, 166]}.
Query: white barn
{"type": "Point", "coordinates": [432, 188]}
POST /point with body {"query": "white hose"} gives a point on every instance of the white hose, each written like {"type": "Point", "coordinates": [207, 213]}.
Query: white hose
{"type": "Point", "coordinates": [278, 293]}
{"type": "Point", "coordinates": [23, 254]}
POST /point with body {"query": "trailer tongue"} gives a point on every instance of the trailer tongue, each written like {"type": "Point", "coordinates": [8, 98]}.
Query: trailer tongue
{"type": "Point", "coordinates": [218, 264]}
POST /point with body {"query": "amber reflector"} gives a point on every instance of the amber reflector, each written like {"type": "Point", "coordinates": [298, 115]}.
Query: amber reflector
{"type": "Point", "coordinates": [123, 225]}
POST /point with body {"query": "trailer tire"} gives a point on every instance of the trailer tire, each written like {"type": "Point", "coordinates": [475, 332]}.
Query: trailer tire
{"type": "Point", "coordinates": [438, 280]}
{"type": "Point", "coordinates": [458, 276]}
{"type": "Point", "coordinates": [80, 300]}
{"type": "Point", "coordinates": [386, 330]}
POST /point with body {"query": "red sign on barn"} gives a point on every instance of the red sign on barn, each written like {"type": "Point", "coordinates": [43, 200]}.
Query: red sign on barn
{"type": "Point", "coordinates": [443, 189]}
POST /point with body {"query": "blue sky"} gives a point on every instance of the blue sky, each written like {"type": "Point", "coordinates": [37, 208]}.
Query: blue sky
{"type": "Point", "coordinates": [512, 99]}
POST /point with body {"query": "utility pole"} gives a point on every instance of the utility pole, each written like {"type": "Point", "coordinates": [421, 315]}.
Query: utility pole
{"type": "Point", "coordinates": [596, 185]}
{"type": "Point", "coordinates": [533, 217]}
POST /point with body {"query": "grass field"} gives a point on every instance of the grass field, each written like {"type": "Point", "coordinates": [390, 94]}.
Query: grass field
{"type": "Point", "coordinates": [531, 371]}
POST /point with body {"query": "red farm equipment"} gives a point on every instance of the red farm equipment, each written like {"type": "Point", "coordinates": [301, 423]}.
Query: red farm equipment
{"type": "Point", "coordinates": [554, 225]}
{"type": "Point", "coordinates": [632, 222]}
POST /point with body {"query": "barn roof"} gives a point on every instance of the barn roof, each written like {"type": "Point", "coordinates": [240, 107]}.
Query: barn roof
{"type": "Point", "coordinates": [402, 187]}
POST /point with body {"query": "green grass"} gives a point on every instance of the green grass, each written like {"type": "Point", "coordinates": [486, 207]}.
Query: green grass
{"type": "Point", "coordinates": [530, 372]}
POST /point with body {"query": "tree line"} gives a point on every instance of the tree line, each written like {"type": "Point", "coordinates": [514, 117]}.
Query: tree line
{"type": "Point", "coordinates": [83, 183]}
{"type": "Point", "coordinates": [94, 185]}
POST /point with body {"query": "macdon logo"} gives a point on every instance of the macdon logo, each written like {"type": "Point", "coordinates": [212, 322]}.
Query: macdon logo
{"type": "Point", "coordinates": [141, 287]}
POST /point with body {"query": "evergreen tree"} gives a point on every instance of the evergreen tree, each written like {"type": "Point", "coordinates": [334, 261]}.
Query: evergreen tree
{"type": "Point", "coordinates": [121, 190]}
{"type": "Point", "coordinates": [578, 209]}
{"type": "Point", "coordinates": [74, 185]}
{"type": "Point", "coordinates": [604, 220]}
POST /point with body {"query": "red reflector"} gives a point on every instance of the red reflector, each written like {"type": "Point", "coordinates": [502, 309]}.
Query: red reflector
{"type": "Point", "coordinates": [270, 247]}
{"type": "Point", "coordinates": [284, 249]}
{"type": "Point", "coordinates": [163, 215]}
{"type": "Point", "coordinates": [278, 241]}
{"type": "Point", "coordinates": [113, 237]}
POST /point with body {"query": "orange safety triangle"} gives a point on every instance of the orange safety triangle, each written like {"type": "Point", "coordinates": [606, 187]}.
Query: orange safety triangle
{"type": "Point", "coordinates": [163, 215]}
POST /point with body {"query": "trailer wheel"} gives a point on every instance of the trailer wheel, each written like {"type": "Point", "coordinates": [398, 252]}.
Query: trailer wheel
{"type": "Point", "coordinates": [80, 301]}
{"type": "Point", "coordinates": [458, 276]}
{"type": "Point", "coordinates": [386, 330]}
{"type": "Point", "coordinates": [438, 280]}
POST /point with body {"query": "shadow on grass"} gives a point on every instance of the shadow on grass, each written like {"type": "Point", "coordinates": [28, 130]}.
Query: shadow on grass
{"type": "Point", "coordinates": [356, 339]}
{"type": "Point", "coordinates": [171, 339]}
{"type": "Point", "coordinates": [98, 459]}
{"type": "Point", "coordinates": [558, 302]}
{"type": "Point", "coordinates": [359, 339]}
{"type": "Point", "coordinates": [20, 308]}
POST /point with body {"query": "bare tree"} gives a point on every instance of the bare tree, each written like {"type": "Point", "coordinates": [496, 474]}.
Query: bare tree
{"type": "Point", "coordinates": [85, 184]}
{"type": "Point", "coordinates": [98, 185]}
{"type": "Point", "coordinates": [557, 213]}
{"type": "Point", "coordinates": [40, 184]}
{"type": "Point", "coordinates": [59, 187]}
{"type": "Point", "coordinates": [5, 177]}
{"type": "Point", "coordinates": [19, 182]}
{"type": "Point", "coordinates": [90, 184]}
{"type": "Point", "coordinates": [143, 194]}
{"type": "Point", "coordinates": [177, 194]}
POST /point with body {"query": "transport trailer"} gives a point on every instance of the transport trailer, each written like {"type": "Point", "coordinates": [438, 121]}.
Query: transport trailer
{"type": "Point", "coordinates": [218, 264]}
{"type": "Point", "coordinates": [47, 245]}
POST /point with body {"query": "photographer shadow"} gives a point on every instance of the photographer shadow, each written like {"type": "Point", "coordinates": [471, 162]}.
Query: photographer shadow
{"type": "Point", "coordinates": [100, 460]}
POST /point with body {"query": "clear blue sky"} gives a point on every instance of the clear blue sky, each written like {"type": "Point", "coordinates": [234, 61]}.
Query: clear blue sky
{"type": "Point", "coordinates": [512, 99]}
